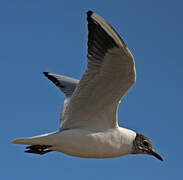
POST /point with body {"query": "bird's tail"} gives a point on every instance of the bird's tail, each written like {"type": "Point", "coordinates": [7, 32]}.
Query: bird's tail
{"type": "Point", "coordinates": [38, 144]}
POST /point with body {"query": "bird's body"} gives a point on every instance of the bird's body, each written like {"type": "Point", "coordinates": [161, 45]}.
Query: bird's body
{"type": "Point", "coordinates": [89, 126]}
{"type": "Point", "coordinates": [86, 143]}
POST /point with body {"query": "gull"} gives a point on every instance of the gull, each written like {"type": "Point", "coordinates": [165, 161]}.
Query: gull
{"type": "Point", "coordinates": [88, 124]}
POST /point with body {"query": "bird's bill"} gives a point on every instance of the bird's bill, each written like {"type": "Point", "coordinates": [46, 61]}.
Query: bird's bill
{"type": "Point", "coordinates": [153, 153]}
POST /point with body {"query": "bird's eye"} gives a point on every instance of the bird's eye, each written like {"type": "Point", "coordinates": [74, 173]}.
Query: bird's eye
{"type": "Point", "coordinates": [145, 143]}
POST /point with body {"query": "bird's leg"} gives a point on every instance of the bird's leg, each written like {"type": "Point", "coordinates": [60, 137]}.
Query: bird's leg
{"type": "Point", "coordinates": [38, 149]}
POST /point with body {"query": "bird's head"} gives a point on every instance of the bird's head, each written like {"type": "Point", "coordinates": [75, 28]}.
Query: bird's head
{"type": "Point", "coordinates": [142, 145]}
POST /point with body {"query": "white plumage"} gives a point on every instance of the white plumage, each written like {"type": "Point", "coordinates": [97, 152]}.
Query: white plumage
{"type": "Point", "coordinates": [89, 125]}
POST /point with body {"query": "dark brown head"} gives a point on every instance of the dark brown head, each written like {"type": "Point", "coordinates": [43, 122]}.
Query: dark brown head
{"type": "Point", "coordinates": [142, 145]}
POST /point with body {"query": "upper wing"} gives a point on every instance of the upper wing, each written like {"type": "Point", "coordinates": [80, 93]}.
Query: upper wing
{"type": "Point", "coordinates": [109, 74]}
{"type": "Point", "coordinates": [66, 84]}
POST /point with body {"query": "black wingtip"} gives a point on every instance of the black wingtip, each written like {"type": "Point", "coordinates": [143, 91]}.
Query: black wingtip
{"type": "Point", "coordinates": [52, 78]}
{"type": "Point", "coordinates": [46, 73]}
{"type": "Point", "coordinates": [89, 13]}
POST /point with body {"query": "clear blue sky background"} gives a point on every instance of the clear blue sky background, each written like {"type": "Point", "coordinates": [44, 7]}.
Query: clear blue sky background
{"type": "Point", "coordinates": [42, 35]}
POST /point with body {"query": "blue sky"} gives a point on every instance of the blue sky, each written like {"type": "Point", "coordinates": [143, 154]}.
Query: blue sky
{"type": "Point", "coordinates": [42, 35]}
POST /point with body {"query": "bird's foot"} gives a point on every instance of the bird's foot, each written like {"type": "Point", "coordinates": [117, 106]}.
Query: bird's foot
{"type": "Point", "coordinates": [38, 149]}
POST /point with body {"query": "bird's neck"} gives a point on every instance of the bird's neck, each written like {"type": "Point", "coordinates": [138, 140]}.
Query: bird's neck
{"type": "Point", "coordinates": [127, 139]}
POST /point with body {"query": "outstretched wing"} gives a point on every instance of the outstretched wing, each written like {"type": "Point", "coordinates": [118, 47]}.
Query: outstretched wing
{"type": "Point", "coordinates": [66, 84]}
{"type": "Point", "coordinates": [109, 74]}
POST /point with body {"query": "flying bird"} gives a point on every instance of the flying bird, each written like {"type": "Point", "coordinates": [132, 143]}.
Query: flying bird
{"type": "Point", "coordinates": [88, 123]}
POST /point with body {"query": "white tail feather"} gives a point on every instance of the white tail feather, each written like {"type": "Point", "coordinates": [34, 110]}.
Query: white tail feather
{"type": "Point", "coordinates": [41, 140]}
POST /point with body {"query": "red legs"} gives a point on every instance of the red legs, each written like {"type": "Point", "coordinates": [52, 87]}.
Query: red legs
{"type": "Point", "coordinates": [38, 149]}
